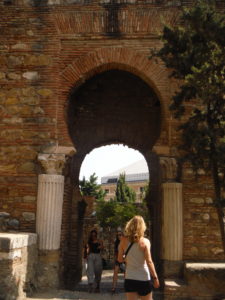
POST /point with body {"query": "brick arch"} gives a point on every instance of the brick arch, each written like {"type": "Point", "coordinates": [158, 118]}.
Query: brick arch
{"type": "Point", "coordinates": [154, 74]}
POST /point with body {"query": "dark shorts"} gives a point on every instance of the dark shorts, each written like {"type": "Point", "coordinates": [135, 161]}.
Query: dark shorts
{"type": "Point", "coordinates": [143, 288]}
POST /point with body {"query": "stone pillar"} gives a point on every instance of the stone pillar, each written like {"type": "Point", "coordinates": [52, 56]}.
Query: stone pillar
{"type": "Point", "coordinates": [172, 218]}
{"type": "Point", "coordinates": [49, 211]}
{"type": "Point", "coordinates": [49, 218]}
{"type": "Point", "coordinates": [172, 221]}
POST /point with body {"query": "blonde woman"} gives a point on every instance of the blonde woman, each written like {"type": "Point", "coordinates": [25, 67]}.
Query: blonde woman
{"type": "Point", "coordinates": [139, 265]}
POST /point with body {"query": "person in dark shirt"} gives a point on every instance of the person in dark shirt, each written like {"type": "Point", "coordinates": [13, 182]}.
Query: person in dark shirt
{"type": "Point", "coordinates": [117, 264]}
{"type": "Point", "coordinates": [94, 261]}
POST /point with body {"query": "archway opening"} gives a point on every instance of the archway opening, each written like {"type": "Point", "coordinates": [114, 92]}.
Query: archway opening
{"type": "Point", "coordinates": [112, 107]}
{"type": "Point", "coordinates": [114, 181]}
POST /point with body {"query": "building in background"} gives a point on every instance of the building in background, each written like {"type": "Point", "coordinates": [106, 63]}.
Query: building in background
{"type": "Point", "coordinates": [136, 175]}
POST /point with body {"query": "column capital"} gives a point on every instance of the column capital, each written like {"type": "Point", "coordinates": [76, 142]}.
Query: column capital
{"type": "Point", "coordinates": [169, 168]}
{"type": "Point", "coordinates": [52, 163]}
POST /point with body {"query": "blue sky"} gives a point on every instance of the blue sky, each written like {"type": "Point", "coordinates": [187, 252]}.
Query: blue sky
{"type": "Point", "coordinates": [107, 159]}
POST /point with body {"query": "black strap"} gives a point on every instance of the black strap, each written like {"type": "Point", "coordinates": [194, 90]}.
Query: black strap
{"type": "Point", "coordinates": [128, 249]}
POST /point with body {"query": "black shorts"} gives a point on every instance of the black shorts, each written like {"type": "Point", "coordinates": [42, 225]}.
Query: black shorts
{"type": "Point", "coordinates": [143, 288]}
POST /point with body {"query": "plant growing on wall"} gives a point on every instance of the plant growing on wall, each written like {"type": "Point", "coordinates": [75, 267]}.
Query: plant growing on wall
{"type": "Point", "coordinates": [195, 52]}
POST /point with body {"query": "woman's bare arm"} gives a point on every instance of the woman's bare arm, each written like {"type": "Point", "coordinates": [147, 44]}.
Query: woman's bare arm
{"type": "Point", "coordinates": [150, 263]}
{"type": "Point", "coordinates": [122, 247]}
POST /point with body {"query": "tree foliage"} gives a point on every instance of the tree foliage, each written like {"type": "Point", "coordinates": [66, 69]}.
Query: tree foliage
{"type": "Point", "coordinates": [118, 211]}
{"type": "Point", "coordinates": [114, 214]}
{"type": "Point", "coordinates": [195, 52]}
{"type": "Point", "coordinates": [91, 187]}
{"type": "Point", "coordinates": [123, 192]}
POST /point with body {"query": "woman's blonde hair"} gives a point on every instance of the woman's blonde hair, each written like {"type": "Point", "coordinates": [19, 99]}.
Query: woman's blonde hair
{"type": "Point", "coordinates": [135, 229]}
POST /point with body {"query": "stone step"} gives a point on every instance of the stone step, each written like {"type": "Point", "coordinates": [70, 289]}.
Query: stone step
{"type": "Point", "coordinates": [201, 281]}
{"type": "Point", "coordinates": [206, 277]}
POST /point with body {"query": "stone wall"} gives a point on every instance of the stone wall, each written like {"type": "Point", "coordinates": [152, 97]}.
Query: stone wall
{"type": "Point", "coordinates": [18, 262]}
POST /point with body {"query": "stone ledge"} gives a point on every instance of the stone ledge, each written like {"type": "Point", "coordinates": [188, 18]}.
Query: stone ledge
{"type": "Point", "coordinates": [205, 266]}
{"type": "Point", "coordinates": [10, 241]}
{"type": "Point", "coordinates": [206, 278]}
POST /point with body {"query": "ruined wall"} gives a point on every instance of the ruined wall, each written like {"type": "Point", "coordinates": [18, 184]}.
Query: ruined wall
{"type": "Point", "coordinates": [18, 259]}
{"type": "Point", "coordinates": [48, 48]}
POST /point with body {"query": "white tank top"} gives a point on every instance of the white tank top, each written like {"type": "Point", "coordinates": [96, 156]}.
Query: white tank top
{"type": "Point", "coordinates": [136, 266]}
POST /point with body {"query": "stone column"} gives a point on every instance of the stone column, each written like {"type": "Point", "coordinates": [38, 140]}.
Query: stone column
{"type": "Point", "coordinates": [49, 210]}
{"type": "Point", "coordinates": [49, 217]}
{"type": "Point", "coordinates": [172, 230]}
{"type": "Point", "coordinates": [172, 221]}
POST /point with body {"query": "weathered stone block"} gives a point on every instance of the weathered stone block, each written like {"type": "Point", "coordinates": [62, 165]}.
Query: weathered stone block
{"type": "Point", "coordinates": [18, 258]}
{"type": "Point", "coordinates": [29, 198]}
{"type": "Point", "coordinates": [11, 100]}
{"type": "Point", "coordinates": [12, 134]}
{"type": "Point", "coordinates": [30, 60]}
{"type": "Point", "coordinates": [14, 76]}
{"type": "Point", "coordinates": [31, 75]}
{"type": "Point", "coordinates": [27, 167]}
{"type": "Point", "coordinates": [38, 111]}
{"type": "Point", "coordinates": [28, 216]}
{"type": "Point", "coordinates": [15, 60]}
{"type": "Point", "coordinates": [30, 33]}
{"type": "Point", "coordinates": [44, 60]}
{"type": "Point", "coordinates": [2, 75]}
{"type": "Point", "coordinates": [29, 91]}
{"type": "Point", "coordinates": [44, 92]}
{"type": "Point", "coordinates": [13, 120]}
{"type": "Point", "coordinates": [20, 46]}
{"type": "Point", "coordinates": [14, 92]}
{"type": "Point", "coordinates": [30, 100]}
{"type": "Point", "coordinates": [206, 278]}
{"type": "Point", "coordinates": [197, 200]}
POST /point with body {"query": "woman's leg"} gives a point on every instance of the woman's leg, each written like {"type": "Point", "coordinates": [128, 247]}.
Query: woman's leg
{"type": "Point", "coordinates": [115, 276]}
{"type": "Point", "coordinates": [132, 296]}
{"type": "Point", "coordinates": [147, 297]}
{"type": "Point", "coordinates": [98, 270]}
{"type": "Point", "coordinates": [90, 271]}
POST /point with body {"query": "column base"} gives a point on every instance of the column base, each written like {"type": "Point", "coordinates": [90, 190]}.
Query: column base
{"type": "Point", "coordinates": [173, 268]}
{"type": "Point", "coordinates": [48, 269]}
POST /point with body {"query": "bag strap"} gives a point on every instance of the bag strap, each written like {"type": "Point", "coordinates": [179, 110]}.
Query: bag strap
{"type": "Point", "coordinates": [128, 249]}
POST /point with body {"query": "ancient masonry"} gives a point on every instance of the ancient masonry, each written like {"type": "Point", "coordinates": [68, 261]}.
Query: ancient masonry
{"type": "Point", "coordinates": [75, 75]}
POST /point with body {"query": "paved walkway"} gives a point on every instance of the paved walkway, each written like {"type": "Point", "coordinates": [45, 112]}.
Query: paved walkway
{"type": "Point", "coordinates": [81, 293]}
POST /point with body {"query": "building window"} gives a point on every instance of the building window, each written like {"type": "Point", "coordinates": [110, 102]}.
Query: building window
{"type": "Point", "coordinates": [142, 189]}
{"type": "Point", "coordinates": [107, 191]}
{"type": "Point", "coordinates": [112, 180]}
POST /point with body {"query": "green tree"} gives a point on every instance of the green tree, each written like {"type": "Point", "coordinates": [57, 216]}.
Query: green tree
{"type": "Point", "coordinates": [195, 52]}
{"type": "Point", "coordinates": [91, 187]}
{"type": "Point", "coordinates": [114, 214]}
{"type": "Point", "coordinates": [123, 192]}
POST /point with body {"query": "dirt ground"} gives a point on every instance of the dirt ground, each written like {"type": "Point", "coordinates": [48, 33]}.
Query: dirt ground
{"type": "Point", "coordinates": [82, 294]}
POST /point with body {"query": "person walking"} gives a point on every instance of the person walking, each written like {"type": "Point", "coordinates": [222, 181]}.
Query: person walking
{"type": "Point", "coordinates": [116, 270]}
{"type": "Point", "coordinates": [139, 265]}
{"type": "Point", "coordinates": [94, 261]}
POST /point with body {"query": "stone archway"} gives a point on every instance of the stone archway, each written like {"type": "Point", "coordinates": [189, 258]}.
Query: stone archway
{"type": "Point", "coordinates": [114, 106]}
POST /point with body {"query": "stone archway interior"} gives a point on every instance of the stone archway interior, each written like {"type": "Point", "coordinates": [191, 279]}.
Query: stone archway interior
{"type": "Point", "coordinates": [114, 107]}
